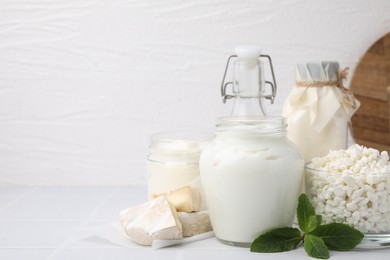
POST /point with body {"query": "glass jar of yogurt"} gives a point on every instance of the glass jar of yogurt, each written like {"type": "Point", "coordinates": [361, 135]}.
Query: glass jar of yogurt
{"type": "Point", "coordinates": [251, 175]}
{"type": "Point", "coordinates": [173, 159]}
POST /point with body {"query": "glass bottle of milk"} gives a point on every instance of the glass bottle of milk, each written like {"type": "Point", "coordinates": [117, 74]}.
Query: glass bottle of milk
{"type": "Point", "coordinates": [251, 176]}
{"type": "Point", "coordinates": [248, 84]}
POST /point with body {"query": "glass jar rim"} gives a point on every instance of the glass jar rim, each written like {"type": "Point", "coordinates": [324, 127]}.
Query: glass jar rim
{"type": "Point", "coordinates": [178, 146]}
{"type": "Point", "coordinates": [323, 171]}
{"type": "Point", "coordinates": [255, 124]}
{"type": "Point", "coordinates": [185, 136]}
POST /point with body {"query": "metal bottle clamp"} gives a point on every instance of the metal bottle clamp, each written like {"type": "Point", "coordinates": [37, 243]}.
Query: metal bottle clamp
{"type": "Point", "coordinates": [272, 84]}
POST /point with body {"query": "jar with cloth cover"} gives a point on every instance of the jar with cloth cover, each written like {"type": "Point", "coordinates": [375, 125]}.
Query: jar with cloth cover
{"type": "Point", "coordinates": [319, 109]}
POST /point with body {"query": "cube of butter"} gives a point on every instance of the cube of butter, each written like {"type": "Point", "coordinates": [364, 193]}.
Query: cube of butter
{"type": "Point", "coordinates": [184, 199]}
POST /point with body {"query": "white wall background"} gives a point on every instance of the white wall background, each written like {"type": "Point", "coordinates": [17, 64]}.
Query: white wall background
{"type": "Point", "coordinates": [84, 83]}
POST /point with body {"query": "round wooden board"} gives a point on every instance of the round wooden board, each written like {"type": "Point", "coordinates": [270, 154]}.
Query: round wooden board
{"type": "Point", "coordinates": [370, 124]}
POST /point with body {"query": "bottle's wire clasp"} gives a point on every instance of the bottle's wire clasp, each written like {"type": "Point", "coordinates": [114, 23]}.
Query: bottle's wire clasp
{"type": "Point", "coordinates": [272, 83]}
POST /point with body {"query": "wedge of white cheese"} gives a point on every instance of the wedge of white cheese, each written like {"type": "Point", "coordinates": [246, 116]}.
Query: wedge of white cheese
{"type": "Point", "coordinates": [155, 219]}
{"type": "Point", "coordinates": [184, 199]}
{"type": "Point", "coordinates": [194, 223]}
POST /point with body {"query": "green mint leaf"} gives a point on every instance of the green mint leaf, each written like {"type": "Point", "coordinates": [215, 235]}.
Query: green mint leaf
{"type": "Point", "coordinates": [277, 240]}
{"type": "Point", "coordinates": [339, 237]}
{"type": "Point", "coordinates": [304, 211]}
{"type": "Point", "coordinates": [312, 223]}
{"type": "Point", "coordinates": [319, 220]}
{"type": "Point", "coordinates": [315, 247]}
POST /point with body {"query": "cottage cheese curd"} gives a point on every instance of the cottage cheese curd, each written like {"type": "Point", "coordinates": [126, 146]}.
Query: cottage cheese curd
{"type": "Point", "coordinates": [352, 186]}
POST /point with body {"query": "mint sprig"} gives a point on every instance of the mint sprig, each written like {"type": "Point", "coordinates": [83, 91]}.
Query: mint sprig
{"type": "Point", "coordinates": [317, 239]}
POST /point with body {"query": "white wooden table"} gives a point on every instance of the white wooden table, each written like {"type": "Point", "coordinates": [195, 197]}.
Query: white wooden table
{"type": "Point", "coordinates": [53, 223]}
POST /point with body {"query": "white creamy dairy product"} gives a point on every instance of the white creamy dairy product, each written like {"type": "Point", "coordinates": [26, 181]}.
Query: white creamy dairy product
{"type": "Point", "coordinates": [184, 199]}
{"type": "Point", "coordinates": [251, 176]}
{"type": "Point", "coordinates": [155, 219]}
{"type": "Point", "coordinates": [194, 223]}
{"type": "Point", "coordinates": [173, 161]}
{"type": "Point", "coordinates": [164, 177]}
{"type": "Point", "coordinates": [167, 216]}
{"type": "Point", "coordinates": [352, 186]}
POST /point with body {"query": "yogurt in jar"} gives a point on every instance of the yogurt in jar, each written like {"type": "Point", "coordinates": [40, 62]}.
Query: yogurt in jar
{"type": "Point", "coordinates": [251, 175]}
{"type": "Point", "coordinates": [173, 161]}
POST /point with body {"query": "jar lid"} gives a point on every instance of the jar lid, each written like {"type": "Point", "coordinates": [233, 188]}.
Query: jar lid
{"type": "Point", "coordinates": [178, 146]}
{"type": "Point", "coordinates": [317, 71]}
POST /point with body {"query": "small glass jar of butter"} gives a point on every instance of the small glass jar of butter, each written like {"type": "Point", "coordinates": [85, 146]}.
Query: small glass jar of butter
{"type": "Point", "coordinates": [173, 159]}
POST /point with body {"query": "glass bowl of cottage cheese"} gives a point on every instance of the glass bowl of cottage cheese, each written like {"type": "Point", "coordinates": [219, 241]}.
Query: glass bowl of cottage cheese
{"type": "Point", "coordinates": [352, 186]}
